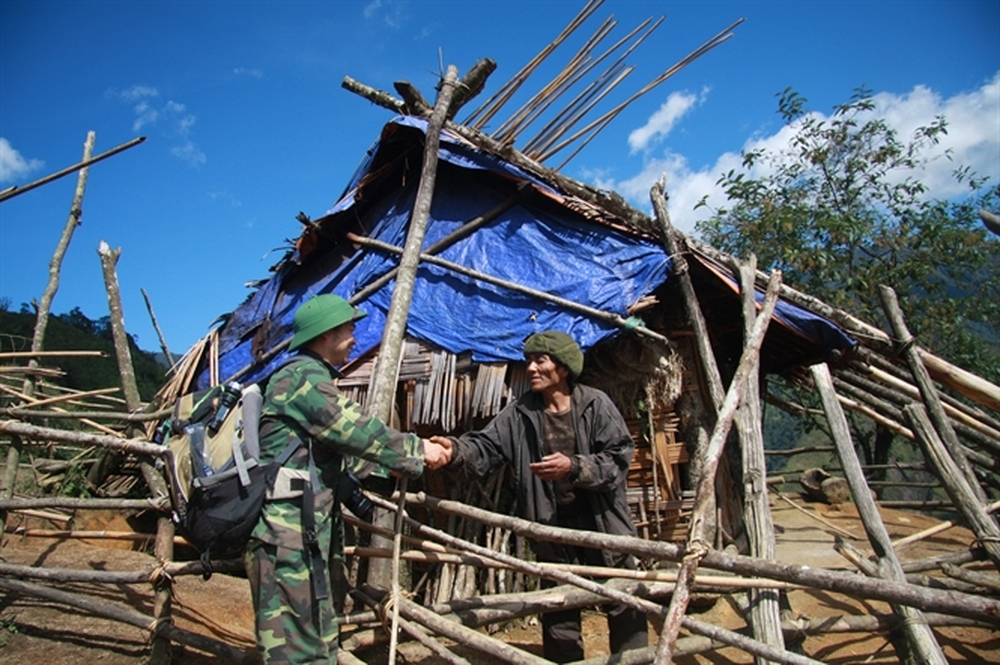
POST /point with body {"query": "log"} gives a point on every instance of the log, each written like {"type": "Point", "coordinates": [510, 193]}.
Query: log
{"type": "Point", "coordinates": [45, 434]}
{"type": "Point", "coordinates": [934, 562]}
{"type": "Point", "coordinates": [416, 632]}
{"type": "Point", "coordinates": [928, 600]}
{"type": "Point", "coordinates": [991, 582]}
{"type": "Point", "coordinates": [954, 481]}
{"type": "Point", "coordinates": [81, 166]}
{"type": "Point", "coordinates": [921, 643]}
{"type": "Point", "coordinates": [163, 629]}
{"type": "Point", "coordinates": [586, 310]}
{"type": "Point", "coordinates": [765, 609]}
{"type": "Point", "coordinates": [382, 394]}
{"type": "Point", "coordinates": [928, 392]}
{"type": "Point", "coordinates": [697, 546]}
{"type": "Point", "coordinates": [701, 628]}
{"type": "Point", "coordinates": [44, 305]}
{"type": "Point", "coordinates": [92, 504]}
{"type": "Point", "coordinates": [523, 191]}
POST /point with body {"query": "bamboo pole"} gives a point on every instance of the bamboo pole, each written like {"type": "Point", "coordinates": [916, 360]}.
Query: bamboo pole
{"type": "Point", "coordinates": [17, 355]}
{"type": "Point", "coordinates": [936, 529]}
{"type": "Point", "coordinates": [152, 416]}
{"type": "Point", "coordinates": [920, 645]}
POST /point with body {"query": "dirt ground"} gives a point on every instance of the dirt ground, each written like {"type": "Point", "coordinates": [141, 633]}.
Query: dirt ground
{"type": "Point", "coordinates": [37, 631]}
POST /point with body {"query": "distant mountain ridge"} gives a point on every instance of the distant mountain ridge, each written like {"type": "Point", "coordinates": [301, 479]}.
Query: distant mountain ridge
{"type": "Point", "coordinates": [75, 332]}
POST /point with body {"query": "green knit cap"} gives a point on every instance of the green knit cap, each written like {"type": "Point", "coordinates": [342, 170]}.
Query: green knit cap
{"type": "Point", "coordinates": [560, 347]}
{"type": "Point", "coordinates": [319, 314]}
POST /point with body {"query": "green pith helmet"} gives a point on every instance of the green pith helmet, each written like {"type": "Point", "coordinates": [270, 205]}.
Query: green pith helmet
{"type": "Point", "coordinates": [560, 347]}
{"type": "Point", "coordinates": [319, 314]}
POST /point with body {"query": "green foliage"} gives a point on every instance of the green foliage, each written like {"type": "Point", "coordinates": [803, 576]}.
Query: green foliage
{"type": "Point", "coordinates": [843, 210]}
{"type": "Point", "coordinates": [75, 332]}
{"type": "Point", "coordinates": [7, 630]}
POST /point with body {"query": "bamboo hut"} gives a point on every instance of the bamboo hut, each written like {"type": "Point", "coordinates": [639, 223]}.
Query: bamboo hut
{"type": "Point", "coordinates": [677, 333]}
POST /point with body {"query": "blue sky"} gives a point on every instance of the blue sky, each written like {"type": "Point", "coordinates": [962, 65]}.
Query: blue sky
{"type": "Point", "coordinates": [247, 122]}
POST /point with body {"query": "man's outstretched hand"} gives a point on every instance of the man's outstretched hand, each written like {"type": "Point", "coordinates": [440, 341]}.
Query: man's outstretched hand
{"type": "Point", "coordinates": [437, 452]}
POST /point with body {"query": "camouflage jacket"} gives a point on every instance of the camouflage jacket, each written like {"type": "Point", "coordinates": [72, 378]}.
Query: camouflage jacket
{"type": "Point", "coordinates": [302, 400]}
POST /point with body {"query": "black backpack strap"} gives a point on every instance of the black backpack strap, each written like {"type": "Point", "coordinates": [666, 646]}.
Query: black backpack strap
{"type": "Point", "coordinates": [314, 558]}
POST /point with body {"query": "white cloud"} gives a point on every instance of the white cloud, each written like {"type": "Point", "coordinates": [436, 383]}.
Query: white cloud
{"type": "Point", "coordinates": [189, 153]}
{"type": "Point", "coordinates": [391, 12]}
{"type": "Point", "coordinates": [172, 119]}
{"type": "Point", "coordinates": [144, 115]}
{"type": "Point", "coordinates": [660, 124]}
{"type": "Point", "coordinates": [371, 8]}
{"type": "Point", "coordinates": [12, 165]}
{"type": "Point", "coordinates": [137, 92]}
{"type": "Point", "coordinates": [973, 140]}
{"type": "Point", "coordinates": [243, 71]}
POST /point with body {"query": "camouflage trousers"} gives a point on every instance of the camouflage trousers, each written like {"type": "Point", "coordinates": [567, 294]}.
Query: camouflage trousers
{"type": "Point", "coordinates": [291, 626]}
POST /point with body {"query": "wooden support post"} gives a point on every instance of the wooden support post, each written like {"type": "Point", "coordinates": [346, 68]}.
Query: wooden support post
{"type": "Point", "coordinates": [765, 608]}
{"type": "Point", "coordinates": [927, 390]}
{"type": "Point", "coordinates": [383, 390]}
{"type": "Point", "coordinates": [164, 548]}
{"type": "Point", "coordinates": [42, 315]}
{"type": "Point", "coordinates": [697, 548]}
{"type": "Point", "coordinates": [954, 481]}
{"type": "Point", "coordinates": [920, 645]}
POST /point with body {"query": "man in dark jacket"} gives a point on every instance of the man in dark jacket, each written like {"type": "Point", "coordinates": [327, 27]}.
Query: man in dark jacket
{"type": "Point", "coordinates": [570, 450]}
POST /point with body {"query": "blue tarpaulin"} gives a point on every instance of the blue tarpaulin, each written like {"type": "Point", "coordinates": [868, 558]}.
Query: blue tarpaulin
{"type": "Point", "coordinates": [544, 246]}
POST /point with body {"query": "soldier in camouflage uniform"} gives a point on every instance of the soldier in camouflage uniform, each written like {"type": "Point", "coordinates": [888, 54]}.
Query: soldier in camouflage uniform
{"type": "Point", "coordinates": [285, 562]}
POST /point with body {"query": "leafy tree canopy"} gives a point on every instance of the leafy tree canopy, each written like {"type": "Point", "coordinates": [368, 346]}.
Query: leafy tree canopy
{"type": "Point", "coordinates": [843, 208]}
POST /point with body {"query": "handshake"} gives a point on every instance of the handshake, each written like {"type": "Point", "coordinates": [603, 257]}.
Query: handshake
{"type": "Point", "coordinates": [437, 452]}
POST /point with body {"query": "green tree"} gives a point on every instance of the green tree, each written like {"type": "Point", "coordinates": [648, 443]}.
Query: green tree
{"type": "Point", "coordinates": [843, 209]}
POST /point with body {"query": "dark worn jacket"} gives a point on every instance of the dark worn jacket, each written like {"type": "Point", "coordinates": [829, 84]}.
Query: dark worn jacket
{"type": "Point", "coordinates": [604, 452]}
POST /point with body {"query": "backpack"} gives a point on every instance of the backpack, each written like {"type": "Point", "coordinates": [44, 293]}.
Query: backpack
{"type": "Point", "coordinates": [218, 486]}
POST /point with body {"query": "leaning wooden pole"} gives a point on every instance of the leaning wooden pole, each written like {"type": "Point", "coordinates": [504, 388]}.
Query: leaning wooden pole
{"type": "Point", "coordinates": [42, 316]}
{"type": "Point", "coordinates": [920, 645]}
{"type": "Point", "coordinates": [977, 608]}
{"type": "Point", "coordinates": [907, 346]}
{"type": "Point", "coordinates": [765, 606]}
{"type": "Point", "coordinates": [156, 327]}
{"type": "Point", "coordinates": [387, 371]}
{"type": "Point", "coordinates": [982, 523]}
{"type": "Point", "coordinates": [164, 547]}
{"type": "Point", "coordinates": [697, 547]}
